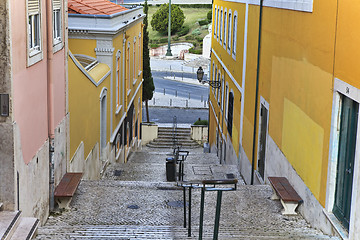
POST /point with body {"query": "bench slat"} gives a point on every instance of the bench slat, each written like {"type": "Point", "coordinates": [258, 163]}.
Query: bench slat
{"type": "Point", "coordinates": [284, 189]}
{"type": "Point", "coordinates": [68, 185]}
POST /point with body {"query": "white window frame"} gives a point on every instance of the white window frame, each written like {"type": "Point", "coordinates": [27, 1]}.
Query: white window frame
{"type": "Point", "coordinates": [221, 25]}
{"type": "Point", "coordinates": [226, 101]}
{"type": "Point", "coordinates": [234, 35]}
{"type": "Point", "coordinates": [225, 28]}
{"type": "Point", "coordinates": [214, 21]}
{"type": "Point", "coordinates": [218, 89]}
{"type": "Point", "coordinates": [57, 25]}
{"type": "Point", "coordinates": [134, 62]}
{"type": "Point", "coordinates": [118, 81]}
{"type": "Point", "coordinates": [128, 70]}
{"type": "Point", "coordinates": [140, 59]}
{"type": "Point", "coordinates": [229, 29]}
{"type": "Point", "coordinates": [217, 24]}
{"type": "Point", "coordinates": [213, 77]}
{"type": "Point", "coordinates": [34, 32]}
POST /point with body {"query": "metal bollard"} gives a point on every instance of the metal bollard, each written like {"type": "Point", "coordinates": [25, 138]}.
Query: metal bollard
{"type": "Point", "coordinates": [182, 76]}
{"type": "Point", "coordinates": [154, 100]}
{"type": "Point", "coordinates": [187, 103]}
{"type": "Point", "coordinates": [189, 95]}
{"type": "Point", "coordinates": [175, 93]}
{"type": "Point", "coordinates": [164, 91]}
{"type": "Point", "coordinates": [170, 102]}
{"type": "Point", "coordinates": [201, 98]}
{"type": "Point", "coordinates": [170, 67]}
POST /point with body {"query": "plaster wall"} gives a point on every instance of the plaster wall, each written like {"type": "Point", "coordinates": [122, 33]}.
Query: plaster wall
{"type": "Point", "coordinates": [60, 150]}
{"type": "Point", "coordinates": [276, 164]}
{"type": "Point", "coordinates": [199, 133]}
{"type": "Point", "coordinates": [149, 132]}
{"type": "Point", "coordinates": [7, 184]}
{"type": "Point", "coordinates": [33, 180]}
{"type": "Point", "coordinates": [77, 162]}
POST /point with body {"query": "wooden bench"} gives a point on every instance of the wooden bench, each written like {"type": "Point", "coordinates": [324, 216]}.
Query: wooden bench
{"type": "Point", "coordinates": [286, 193]}
{"type": "Point", "coordinates": [66, 189]}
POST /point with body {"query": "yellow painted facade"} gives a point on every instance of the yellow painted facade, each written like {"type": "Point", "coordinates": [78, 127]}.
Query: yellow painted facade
{"type": "Point", "coordinates": [104, 62]}
{"type": "Point", "coordinates": [303, 52]}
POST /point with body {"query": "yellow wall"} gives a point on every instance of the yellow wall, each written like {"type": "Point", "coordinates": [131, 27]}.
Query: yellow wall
{"type": "Point", "coordinates": [83, 46]}
{"type": "Point", "coordinates": [84, 109]}
{"type": "Point", "coordinates": [296, 79]}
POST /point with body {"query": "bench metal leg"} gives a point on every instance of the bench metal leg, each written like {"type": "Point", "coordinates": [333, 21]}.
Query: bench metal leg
{"type": "Point", "coordinates": [289, 208]}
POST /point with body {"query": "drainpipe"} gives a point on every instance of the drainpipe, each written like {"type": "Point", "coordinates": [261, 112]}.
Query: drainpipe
{"type": "Point", "coordinates": [50, 100]}
{"type": "Point", "coordinates": [256, 92]}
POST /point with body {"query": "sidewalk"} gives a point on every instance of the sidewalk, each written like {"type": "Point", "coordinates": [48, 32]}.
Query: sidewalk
{"type": "Point", "coordinates": [134, 201]}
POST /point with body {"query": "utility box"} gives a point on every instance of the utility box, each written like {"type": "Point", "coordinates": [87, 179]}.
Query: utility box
{"type": "Point", "coordinates": [170, 169]}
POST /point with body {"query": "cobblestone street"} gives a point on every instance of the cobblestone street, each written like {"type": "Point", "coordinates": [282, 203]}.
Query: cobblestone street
{"type": "Point", "coordinates": [134, 201]}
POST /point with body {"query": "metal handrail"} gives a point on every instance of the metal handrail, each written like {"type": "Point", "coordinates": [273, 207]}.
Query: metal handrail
{"type": "Point", "coordinates": [204, 187]}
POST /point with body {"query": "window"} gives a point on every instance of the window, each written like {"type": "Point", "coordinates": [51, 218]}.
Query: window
{"type": "Point", "coordinates": [213, 77]}
{"type": "Point", "coordinates": [140, 60]}
{"type": "Point", "coordinates": [225, 27]}
{"type": "Point", "coordinates": [134, 61]}
{"type": "Point", "coordinates": [118, 80]}
{"type": "Point", "coordinates": [127, 74]}
{"type": "Point", "coordinates": [229, 31]}
{"type": "Point", "coordinates": [230, 112]}
{"type": "Point", "coordinates": [226, 100]}
{"type": "Point", "coordinates": [56, 21]}
{"type": "Point", "coordinates": [217, 90]}
{"type": "Point", "coordinates": [221, 25]}
{"type": "Point", "coordinates": [234, 35]}
{"type": "Point", "coordinates": [34, 27]}
{"type": "Point", "coordinates": [222, 93]}
{"type": "Point", "coordinates": [215, 23]}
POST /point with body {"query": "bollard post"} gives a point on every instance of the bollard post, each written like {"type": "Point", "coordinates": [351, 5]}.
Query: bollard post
{"type": "Point", "coordinates": [154, 101]}
{"type": "Point", "coordinates": [201, 98]}
{"type": "Point", "coordinates": [205, 104]}
{"type": "Point", "coordinates": [175, 93]}
{"type": "Point", "coordinates": [164, 91]}
{"type": "Point", "coordinates": [170, 67]}
{"type": "Point", "coordinates": [174, 76]}
{"type": "Point", "coordinates": [170, 102]}
{"type": "Point", "coordinates": [189, 95]}
{"type": "Point", "coordinates": [187, 103]}
{"type": "Point", "coordinates": [182, 76]}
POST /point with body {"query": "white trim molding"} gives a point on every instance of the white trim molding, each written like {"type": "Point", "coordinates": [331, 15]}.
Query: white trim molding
{"type": "Point", "coordinates": [297, 5]}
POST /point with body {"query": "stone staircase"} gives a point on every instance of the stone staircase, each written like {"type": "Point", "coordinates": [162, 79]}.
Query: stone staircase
{"type": "Point", "coordinates": [167, 138]}
{"type": "Point", "coordinates": [15, 227]}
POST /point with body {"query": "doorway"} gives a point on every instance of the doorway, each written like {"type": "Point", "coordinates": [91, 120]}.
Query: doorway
{"type": "Point", "coordinates": [346, 156]}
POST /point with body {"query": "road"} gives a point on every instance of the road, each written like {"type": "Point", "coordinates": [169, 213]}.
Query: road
{"type": "Point", "coordinates": [171, 87]}
{"type": "Point", "coordinates": [183, 115]}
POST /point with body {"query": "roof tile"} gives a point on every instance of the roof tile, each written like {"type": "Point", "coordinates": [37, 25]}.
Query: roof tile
{"type": "Point", "coordinates": [96, 7]}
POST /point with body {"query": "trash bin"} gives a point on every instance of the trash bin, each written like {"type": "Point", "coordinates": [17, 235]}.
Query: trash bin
{"type": "Point", "coordinates": [170, 169]}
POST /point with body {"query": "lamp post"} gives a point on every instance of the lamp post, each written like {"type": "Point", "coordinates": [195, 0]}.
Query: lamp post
{"type": "Point", "coordinates": [168, 53]}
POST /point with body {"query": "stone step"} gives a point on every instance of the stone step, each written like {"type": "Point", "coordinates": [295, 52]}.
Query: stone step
{"type": "Point", "coordinates": [152, 145]}
{"type": "Point", "coordinates": [170, 136]}
{"type": "Point", "coordinates": [8, 223]}
{"type": "Point", "coordinates": [26, 229]}
{"type": "Point", "coordinates": [174, 134]}
{"type": "Point", "coordinates": [171, 232]}
{"type": "Point", "coordinates": [171, 144]}
{"type": "Point", "coordinates": [170, 129]}
{"type": "Point", "coordinates": [181, 141]}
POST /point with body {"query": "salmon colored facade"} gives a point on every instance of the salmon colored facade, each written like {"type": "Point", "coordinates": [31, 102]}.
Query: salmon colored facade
{"type": "Point", "coordinates": [306, 113]}
{"type": "Point", "coordinates": [35, 80]}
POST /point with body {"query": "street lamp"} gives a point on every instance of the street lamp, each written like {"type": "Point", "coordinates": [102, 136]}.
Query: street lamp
{"type": "Point", "coordinates": [168, 53]}
{"type": "Point", "coordinates": [200, 75]}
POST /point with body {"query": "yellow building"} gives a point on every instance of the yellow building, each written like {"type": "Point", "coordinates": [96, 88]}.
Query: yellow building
{"type": "Point", "coordinates": [307, 103]}
{"type": "Point", "coordinates": [105, 84]}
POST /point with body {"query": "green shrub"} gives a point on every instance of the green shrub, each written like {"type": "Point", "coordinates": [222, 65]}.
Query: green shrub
{"type": "Point", "coordinates": [183, 31]}
{"type": "Point", "coordinates": [176, 38]}
{"type": "Point", "coordinates": [203, 22]}
{"type": "Point", "coordinates": [199, 39]}
{"type": "Point", "coordinates": [163, 40]}
{"type": "Point", "coordinates": [160, 19]}
{"type": "Point", "coordinates": [196, 32]}
{"type": "Point", "coordinates": [189, 37]}
{"type": "Point", "coordinates": [209, 16]}
{"type": "Point", "coordinates": [195, 51]}
{"type": "Point", "coordinates": [201, 122]}
{"type": "Point", "coordinates": [154, 45]}
{"type": "Point", "coordinates": [195, 44]}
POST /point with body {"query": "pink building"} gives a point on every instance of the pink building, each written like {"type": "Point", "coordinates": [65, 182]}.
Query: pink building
{"type": "Point", "coordinates": [33, 116]}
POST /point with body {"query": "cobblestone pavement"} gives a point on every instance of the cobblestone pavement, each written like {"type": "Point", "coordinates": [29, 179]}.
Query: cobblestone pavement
{"type": "Point", "coordinates": [134, 201]}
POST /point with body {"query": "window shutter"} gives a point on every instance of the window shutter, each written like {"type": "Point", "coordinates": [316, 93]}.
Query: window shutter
{"type": "Point", "coordinates": [33, 7]}
{"type": "Point", "coordinates": [56, 4]}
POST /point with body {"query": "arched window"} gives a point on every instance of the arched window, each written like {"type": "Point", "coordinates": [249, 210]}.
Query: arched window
{"type": "Point", "coordinates": [230, 112]}
{"type": "Point", "coordinates": [118, 78]}
{"type": "Point", "coordinates": [234, 35]}
{"type": "Point", "coordinates": [134, 61]}
{"type": "Point", "coordinates": [217, 24]}
{"type": "Point", "coordinates": [229, 31]}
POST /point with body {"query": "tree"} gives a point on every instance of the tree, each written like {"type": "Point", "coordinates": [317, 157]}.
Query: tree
{"type": "Point", "coordinates": [148, 84]}
{"type": "Point", "coordinates": [160, 19]}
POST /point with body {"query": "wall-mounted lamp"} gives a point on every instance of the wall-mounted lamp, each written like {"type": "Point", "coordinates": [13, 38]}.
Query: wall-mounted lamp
{"type": "Point", "coordinates": [200, 75]}
{"type": "Point", "coordinates": [4, 105]}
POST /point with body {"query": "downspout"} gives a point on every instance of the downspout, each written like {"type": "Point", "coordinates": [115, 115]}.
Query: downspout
{"type": "Point", "coordinates": [50, 100]}
{"type": "Point", "coordinates": [256, 93]}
